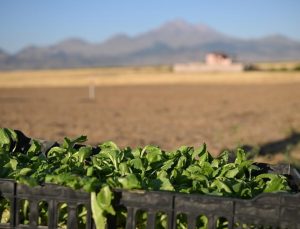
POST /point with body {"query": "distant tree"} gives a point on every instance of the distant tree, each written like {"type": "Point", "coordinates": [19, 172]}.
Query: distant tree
{"type": "Point", "coordinates": [297, 67]}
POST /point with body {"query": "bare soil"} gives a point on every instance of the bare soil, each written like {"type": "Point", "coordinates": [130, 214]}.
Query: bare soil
{"type": "Point", "coordinates": [223, 116]}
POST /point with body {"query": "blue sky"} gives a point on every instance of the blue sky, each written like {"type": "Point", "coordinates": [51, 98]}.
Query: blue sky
{"type": "Point", "coordinates": [41, 22]}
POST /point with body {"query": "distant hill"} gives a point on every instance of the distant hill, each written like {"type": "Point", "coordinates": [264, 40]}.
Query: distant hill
{"type": "Point", "coordinates": [175, 41]}
{"type": "Point", "coordinates": [3, 55]}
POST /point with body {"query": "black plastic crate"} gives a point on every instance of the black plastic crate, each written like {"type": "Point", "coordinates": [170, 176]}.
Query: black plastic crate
{"type": "Point", "coordinates": [278, 210]}
{"type": "Point", "coordinates": [50, 193]}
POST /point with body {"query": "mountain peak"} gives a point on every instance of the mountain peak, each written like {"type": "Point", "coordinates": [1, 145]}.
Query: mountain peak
{"type": "Point", "coordinates": [119, 36]}
{"type": "Point", "coordinates": [179, 33]}
{"type": "Point", "coordinates": [73, 41]}
{"type": "Point", "coordinates": [177, 23]}
{"type": "Point", "coordinates": [180, 24]}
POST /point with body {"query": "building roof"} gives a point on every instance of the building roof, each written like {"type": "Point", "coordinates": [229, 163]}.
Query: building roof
{"type": "Point", "coordinates": [219, 54]}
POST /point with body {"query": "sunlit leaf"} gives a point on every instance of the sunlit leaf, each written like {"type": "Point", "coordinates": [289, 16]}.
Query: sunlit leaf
{"type": "Point", "coordinates": [13, 162]}
{"type": "Point", "coordinates": [35, 148]}
{"type": "Point", "coordinates": [153, 154]}
{"type": "Point", "coordinates": [97, 212]}
{"type": "Point", "coordinates": [104, 198]}
{"type": "Point", "coordinates": [130, 182]}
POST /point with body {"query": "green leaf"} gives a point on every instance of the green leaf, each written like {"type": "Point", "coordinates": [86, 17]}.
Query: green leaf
{"type": "Point", "coordinates": [90, 171]}
{"type": "Point", "coordinates": [232, 173]}
{"type": "Point", "coordinates": [252, 168]}
{"type": "Point", "coordinates": [97, 212]}
{"type": "Point", "coordinates": [91, 184]}
{"type": "Point", "coordinates": [5, 216]}
{"type": "Point", "coordinates": [275, 185]}
{"type": "Point", "coordinates": [226, 168]}
{"type": "Point", "coordinates": [200, 177]}
{"type": "Point", "coordinates": [137, 163]}
{"type": "Point", "coordinates": [223, 158]}
{"type": "Point", "coordinates": [130, 181]}
{"type": "Point", "coordinates": [123, 168]}
{"type": "Point", "coordinates": [217, 172]}
{"type": "Point", "coordinates": [83, 153]}
{"type": "Point", "coordinates": [215, 163]}
{"type": "Point", "coordinates": [13, 163]}
{"type": "Point", "coordinates": [240, 156]}
{"type": "Point", "coordinates": [136, 152]}
{"type": "Point", "coordinates": [269, 176]}
{"type": "Point", "coordinates": [202, 155]}
{"type": "Point", "coordinates": [205, 157]}
{"type": "Point", "coordinates": [109, 145]}
{"type": "Point", "coordinates": [161, 183]}
{"type": "Point", "coordinates": [181, 164]}
{"type": "Point", "coordinates": [246, 193]}
{"type": "Point", "coordinates": [237, 187]}
{"type": "Point", "coordinates": [221, 186]}
{"type": "Point", "coordinates": [25, 171]}
{"type": "Point", "coordinates": [12, 134]}
{"type": "Point", "coordinates": [112, 155]}
{"type": "Point", "coordinates": [6, 138]}
{"type": "Point", "coordinates": [69, 143]}
{"type": "Point", "coordinates": [174, 174]}
{"type": "Point", "coordinates": [104, 198]}
{"type": "Point", "coordinates": [186, 151]}
{"type": "Point", "coordinates": [199, 152]}
{"type": "Point", "coordinates": [194, 169]}
{"type": "Point", "coordinates": [207, 169]}
{"type": "Point", "coordinates": [56, 152]}
{"type": "Point", "coordinates": [167, 165]}
{"type": "Point", "coordinates": [162, 174]}
{"type": "Point", "coordinates": [153, 154]}
{"type": "Point", "coordinates": [34, 148]}
{"type": "Point", "coordinates": [113, 182]}
{"type": "Point", "coordinates": [276, 182]}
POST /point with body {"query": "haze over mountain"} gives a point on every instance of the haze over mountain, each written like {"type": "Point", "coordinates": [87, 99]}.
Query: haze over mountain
{"type": "Point", "coordinates": [175, 41]}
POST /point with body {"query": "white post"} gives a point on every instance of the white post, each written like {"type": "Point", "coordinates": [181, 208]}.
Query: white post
{"type": "Point", "coordinates": [92, 91]}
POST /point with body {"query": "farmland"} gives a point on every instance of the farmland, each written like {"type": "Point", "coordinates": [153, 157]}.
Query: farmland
{"type": "Point", "coordinates": [139, 76]}
{"type": "Point", "coordinates": [140, 106]}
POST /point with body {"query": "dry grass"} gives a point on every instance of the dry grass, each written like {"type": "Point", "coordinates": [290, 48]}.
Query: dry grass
{"type": "Point", "coordinates": [289, 65]}
{"type": "Point", "coordinates": [136, 76]}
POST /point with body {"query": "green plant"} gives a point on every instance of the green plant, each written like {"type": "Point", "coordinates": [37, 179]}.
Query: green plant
{"type": "Point", "coordinates": [99, 171]}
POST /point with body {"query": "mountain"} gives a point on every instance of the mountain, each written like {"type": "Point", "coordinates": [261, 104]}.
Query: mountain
{"type": "Point", "coordinates": [3, 55]}
{"type": "Point", "coordinates": [175, 41]}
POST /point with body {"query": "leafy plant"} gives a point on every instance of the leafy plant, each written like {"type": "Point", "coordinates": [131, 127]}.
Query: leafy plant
{"type": "Point", "coordinates": [99, 170]}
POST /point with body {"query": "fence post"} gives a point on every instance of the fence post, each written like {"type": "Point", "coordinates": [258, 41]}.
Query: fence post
{"type": "Point", "coordinates": [92, 89]}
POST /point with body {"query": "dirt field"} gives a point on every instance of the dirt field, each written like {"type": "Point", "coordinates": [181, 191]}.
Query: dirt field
{"type": "Point", "coordinates": [138, 76]}
{"type": "Point", "coordinates": [224, 115]}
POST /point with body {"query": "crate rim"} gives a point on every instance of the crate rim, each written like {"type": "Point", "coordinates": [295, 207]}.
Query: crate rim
{"type": "Point", "coordinates": [165, 192]}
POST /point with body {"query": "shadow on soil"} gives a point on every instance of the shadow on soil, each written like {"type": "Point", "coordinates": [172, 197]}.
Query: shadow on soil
{"type": "Point", "coordinates": [274, 147]}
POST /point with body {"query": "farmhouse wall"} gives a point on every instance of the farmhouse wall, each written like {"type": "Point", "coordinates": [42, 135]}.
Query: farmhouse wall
{"type": "Point", "coordinates": [196, 67]}
{"type": "Point", "coordinates": [213, 62]}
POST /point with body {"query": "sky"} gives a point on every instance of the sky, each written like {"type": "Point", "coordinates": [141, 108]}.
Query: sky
{"type": "Point", "coordinates": [41, 22]}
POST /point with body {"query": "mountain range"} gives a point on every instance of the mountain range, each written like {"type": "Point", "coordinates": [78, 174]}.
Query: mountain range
{"type": "Point", "coordinates": [173, 42]}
